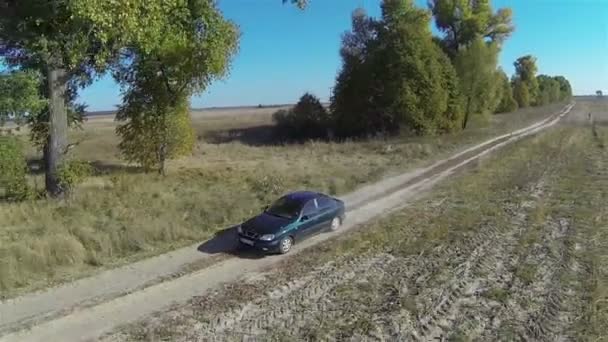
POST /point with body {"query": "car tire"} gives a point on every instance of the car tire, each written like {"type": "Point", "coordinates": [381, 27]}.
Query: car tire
{"type": "Point", "coordinates": [335, 224]}
{"type": "Point", "coordinates": [285, 245]}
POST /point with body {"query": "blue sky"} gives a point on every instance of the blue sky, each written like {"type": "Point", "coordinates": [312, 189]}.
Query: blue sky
{"type": "Point", "coordinates": [285, 52]}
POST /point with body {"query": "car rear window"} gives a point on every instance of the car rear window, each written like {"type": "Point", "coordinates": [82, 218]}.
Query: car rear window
{"type": "Point", "coordinates": [325, 202]}
{"type": "Point", "coordinates": [285, 207]}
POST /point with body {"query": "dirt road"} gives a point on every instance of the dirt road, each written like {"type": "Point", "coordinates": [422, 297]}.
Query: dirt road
{"type": "Point", "coordinates": [78, 320]}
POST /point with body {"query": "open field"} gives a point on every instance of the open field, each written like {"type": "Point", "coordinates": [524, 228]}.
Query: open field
{"type": "Point", "coordinates": [90, 307]}
{"type": "Point", "coordinates": [121, 215]}
{"type": "Point", "coordinates": [514, 249]}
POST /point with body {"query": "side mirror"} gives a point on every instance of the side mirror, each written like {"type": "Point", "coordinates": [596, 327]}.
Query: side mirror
{"type": "Point", "coordinates": [304, 218]}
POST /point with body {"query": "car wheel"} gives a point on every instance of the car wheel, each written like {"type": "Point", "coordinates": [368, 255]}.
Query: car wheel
{"type": "Point", "coordinates": [335, 223]}
{"type": "Point", "coordinates": [285, 245]}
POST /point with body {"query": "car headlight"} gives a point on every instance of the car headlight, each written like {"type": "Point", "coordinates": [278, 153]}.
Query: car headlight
{"type": "Point", "coordinates": [267, 237]}
{"type": "Point", "coordinates": [239, 229]}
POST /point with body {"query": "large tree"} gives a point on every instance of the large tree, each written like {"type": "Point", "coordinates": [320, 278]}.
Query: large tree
{"type": "Point", "coordinates": [525, 71]}
{"type": "Point", "coordinates": [463, 21]}
{"type": "Point", "coordinates": [394, 76]}
{"type": "Point", "coordinates": [72, 41]}
{"type": "Point", "coordinates": [58, 39]}
{"type": "Point", "coordinates": [476, 68]}
{"type": "Point", "coordinates": [194, 50]}
{"type": "Point", "coordinates": [565, 88]}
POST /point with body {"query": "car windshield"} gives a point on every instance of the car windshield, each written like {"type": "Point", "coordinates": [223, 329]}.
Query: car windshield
{"type": "Point", "coordinates": [285, 207]}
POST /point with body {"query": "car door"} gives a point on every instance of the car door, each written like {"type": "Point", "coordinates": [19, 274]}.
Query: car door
{"type": "Point", "coordinates": [326, 211]}
{"type": "Point", "coordinates": [308, 219]}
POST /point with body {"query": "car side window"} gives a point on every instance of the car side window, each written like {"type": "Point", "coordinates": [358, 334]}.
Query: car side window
{"type": "Point", "coordinates": [310, 208]}
{"type": "Point", "coordinates": [324, 202]}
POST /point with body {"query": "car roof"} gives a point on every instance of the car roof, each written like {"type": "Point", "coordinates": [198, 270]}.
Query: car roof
{"type": "Point", "coordinates": [303, 196]}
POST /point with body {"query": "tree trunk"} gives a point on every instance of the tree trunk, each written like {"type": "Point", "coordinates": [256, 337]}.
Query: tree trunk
{"type": "Point", "coordinates": [162, 156]}
{"type": "Point", "coordinates": [58, 129]}
{"type": "Point", "coordinates": [466, 113]}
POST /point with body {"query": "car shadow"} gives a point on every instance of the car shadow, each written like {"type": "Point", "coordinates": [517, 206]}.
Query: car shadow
{"type": "Point", "coordinates": [225, 242]}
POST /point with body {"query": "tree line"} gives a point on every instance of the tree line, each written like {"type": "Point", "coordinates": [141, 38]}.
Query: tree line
{"type": "Point", "coordinates": [397, 77]}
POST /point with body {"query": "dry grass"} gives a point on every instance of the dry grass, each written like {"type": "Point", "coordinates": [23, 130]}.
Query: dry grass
{"type": "Point", "coordinates": [121, 215]}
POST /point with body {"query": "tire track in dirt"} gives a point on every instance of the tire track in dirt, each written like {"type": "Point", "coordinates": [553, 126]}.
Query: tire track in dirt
{"type": "Point", "coordinates": [315, 301]}
{"type": "Point", "coordinates": [448, 304]}
{"type": "Point", "coordinates": [276, 308]}
{"type": "Point", "coordinates": [544, 308]}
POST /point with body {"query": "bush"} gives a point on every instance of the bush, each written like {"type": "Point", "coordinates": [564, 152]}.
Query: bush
{"type": "Point", "coordinates": [151, 135]}
{"type": "Point", "coordinates": [73, 173]}
{"type": "Point", "coordinates": [13, 169]}
{"type": "Point", "coordinates": [307, 120]}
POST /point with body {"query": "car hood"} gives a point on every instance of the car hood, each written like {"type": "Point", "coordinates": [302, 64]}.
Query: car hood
{"type": "Point", "coordinates": [266, 224]}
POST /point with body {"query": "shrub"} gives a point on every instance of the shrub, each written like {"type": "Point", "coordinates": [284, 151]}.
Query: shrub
{"type": "Point", "coordinates": [73, 173]}
{"type": "Point", "coordinates": [13, 169]}
{"type": "Point", "coordinates": [307, 120]}
{"type": "Point", "coordinates": [151, 135]}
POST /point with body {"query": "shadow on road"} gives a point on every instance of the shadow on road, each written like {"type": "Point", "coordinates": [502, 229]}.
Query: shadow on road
{"type": "Point", "coordinates": [225, 241]}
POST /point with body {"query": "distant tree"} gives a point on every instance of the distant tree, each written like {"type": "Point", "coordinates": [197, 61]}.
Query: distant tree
{"type": "Point", "coordinates": [525, 70]}
{"type": "Point", "coordinates": [564, 88]}
{"type": "Point", "coordinates": [507, 101]}
{"type": "Point", "coordinates": [599, 93]}
{"type": "Point", "coordinates": [476, 68]}
{"type": "Point", "coordinates": [549, 90]}
{"type": "Point", "coordinates": [464, 21]}
{"type": "Point", "coordinates": [521, 93]}
{"type": "Point", "coordinates": [308, 119]}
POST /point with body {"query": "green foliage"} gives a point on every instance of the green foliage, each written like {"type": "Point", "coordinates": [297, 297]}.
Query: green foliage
{"type": "Point", "coordinates": [564, 88]}
{"type": "Point", "coordinates": [151, 134]}
{"type": "Point", "coordinates": [188, 41]}
{"type": "Point", "coordinates": [194, 49]}
{"type": "Point", "coordinates": [19, 96]}
{"type": "Point", "coordinates": [521, 94]}
{"type": "Point", "coordinates": [549, 90]}
{"type": "Point", "coordinates": [507, 101]}
{"type": "Point", "coordinates": [13, 169]}
{"type": "Point", "coordinates": [476, 68]}
{"type": "Point", "coordinates": [464, 21]}
{"type": "Point", "coordinates": [394, 76]}
{"type": "Point", "coordinates": [73, 172]}
{"type": "Point", "coordinates": [307, 120]}
{"type": "Point", "coordinates": [525, 71]}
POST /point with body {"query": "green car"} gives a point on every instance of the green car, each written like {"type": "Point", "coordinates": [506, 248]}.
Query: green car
{"type": "Point", "coordinates": [292, 218]}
